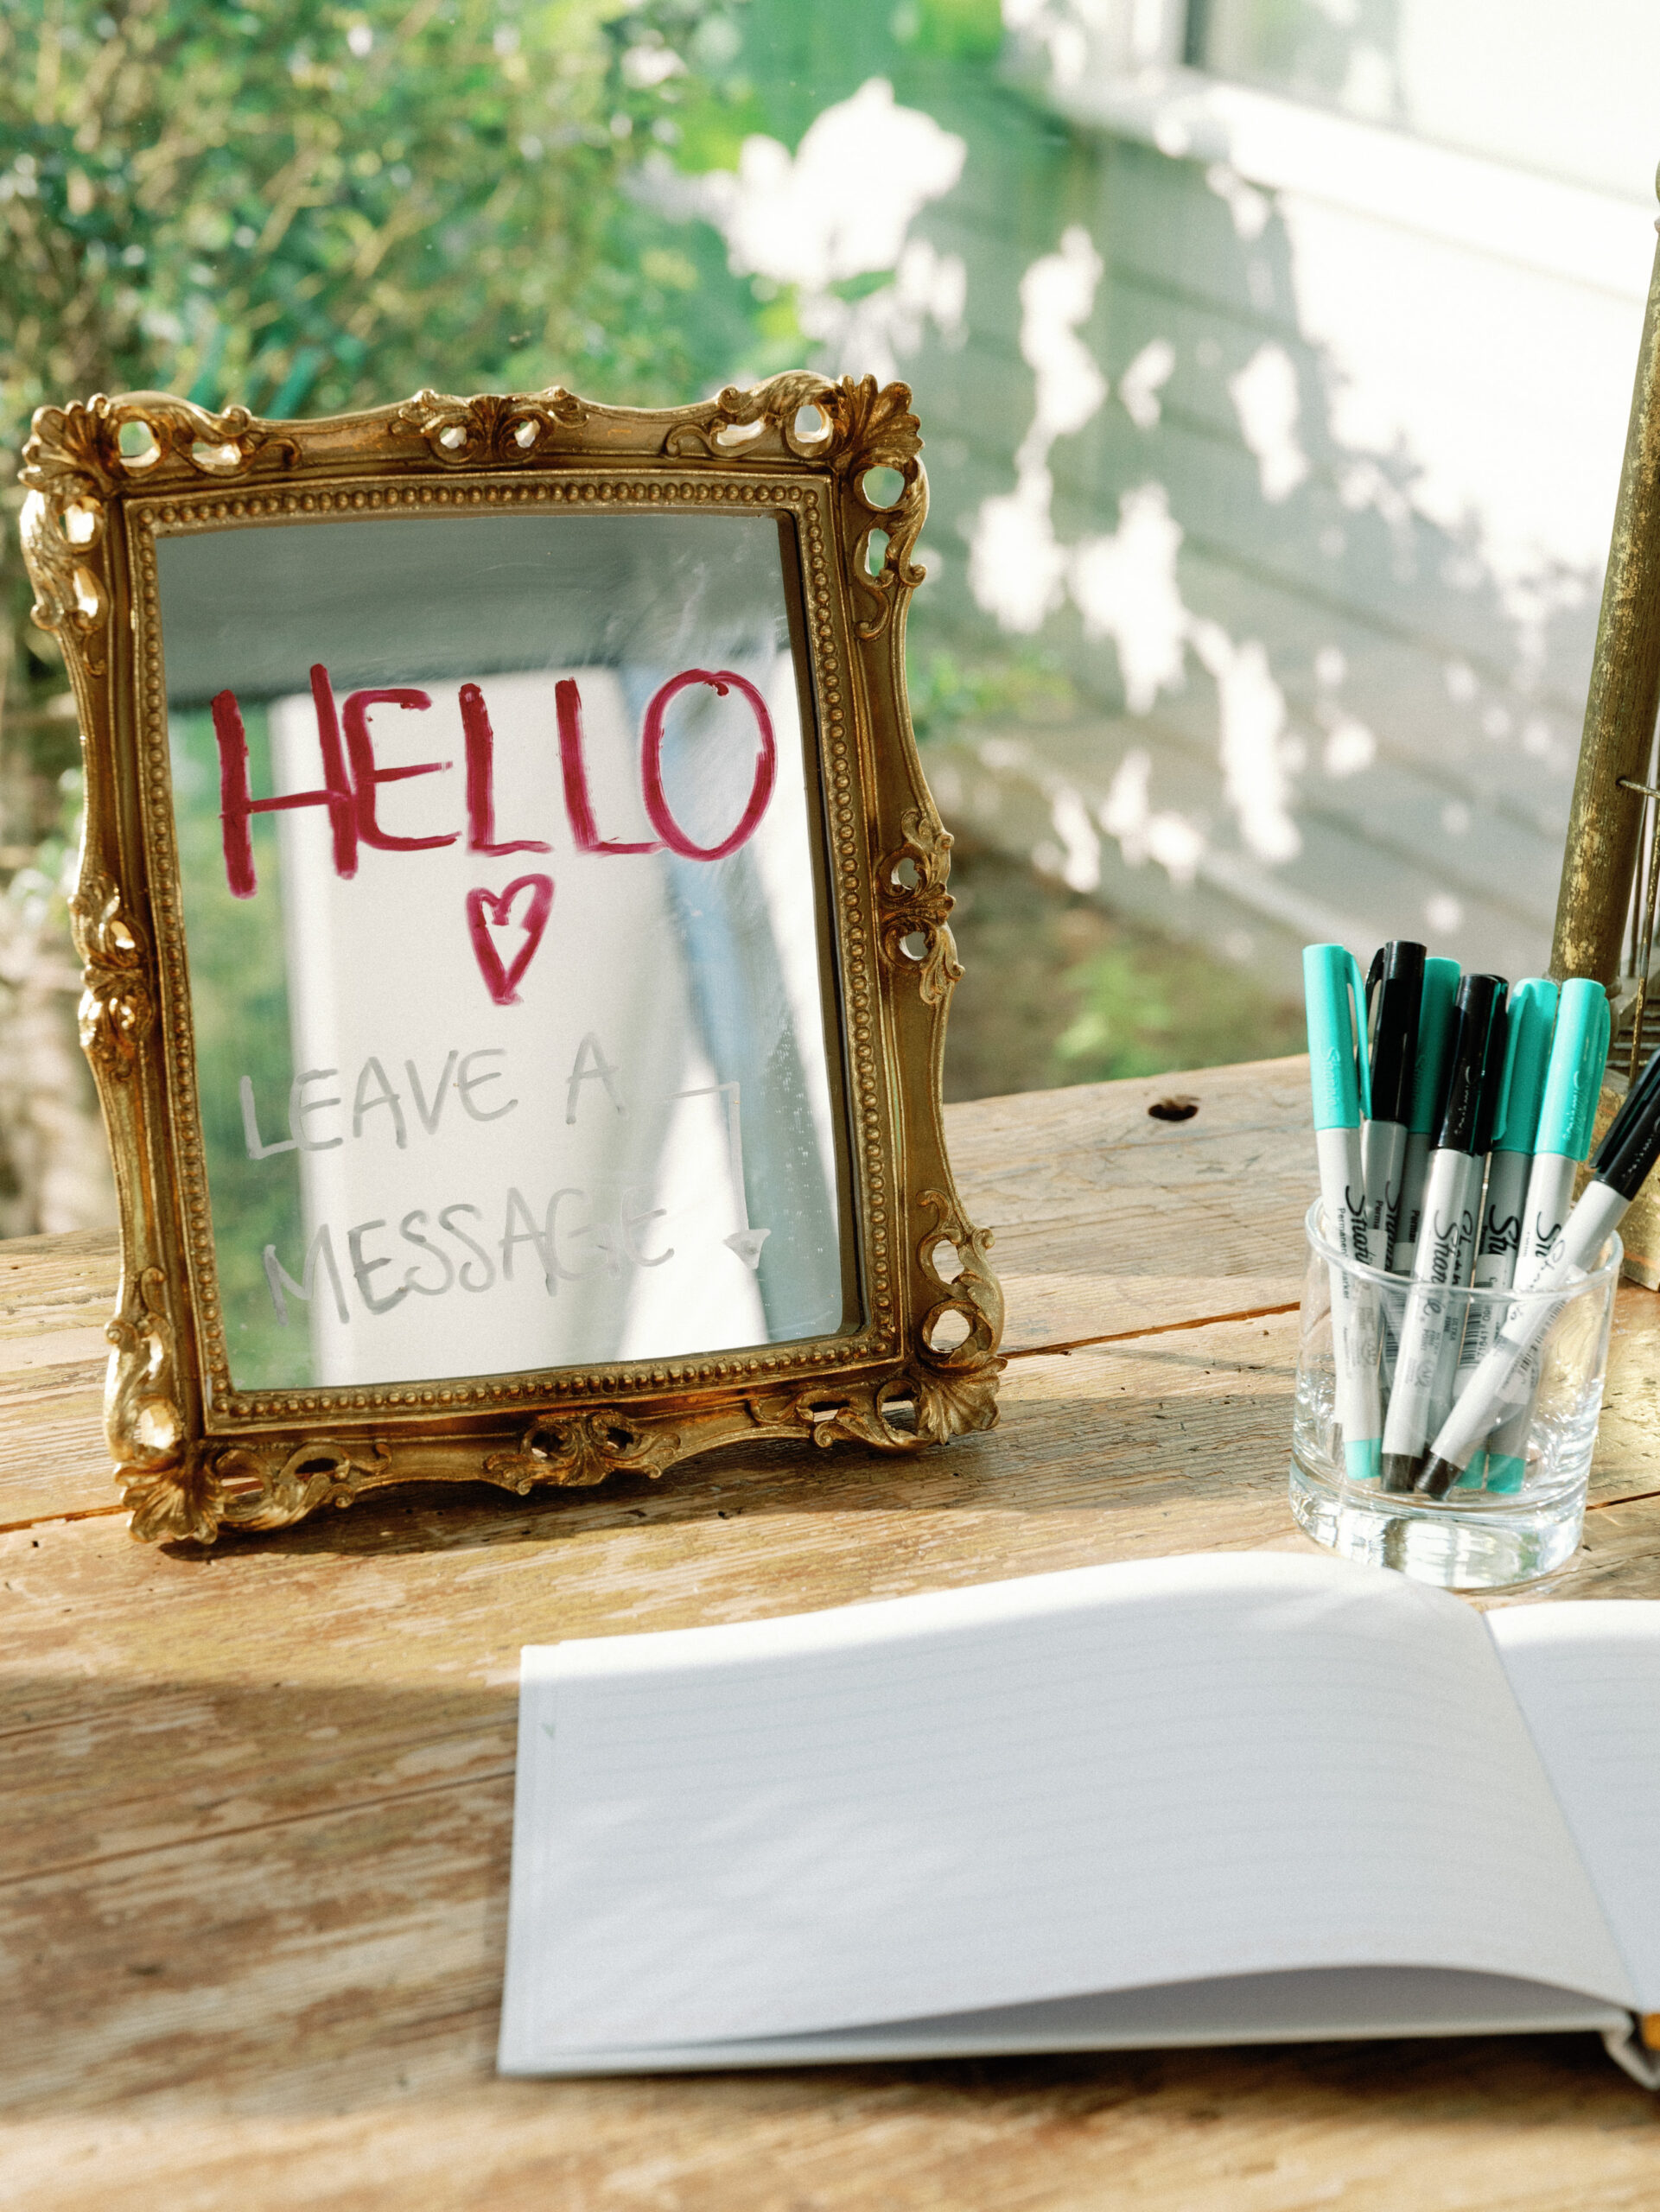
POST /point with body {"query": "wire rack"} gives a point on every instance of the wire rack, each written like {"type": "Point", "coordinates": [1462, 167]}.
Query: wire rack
{"type": "Point", "coordinates": [1636, 997]}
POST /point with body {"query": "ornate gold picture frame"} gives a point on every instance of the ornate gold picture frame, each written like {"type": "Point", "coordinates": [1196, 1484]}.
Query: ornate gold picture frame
{"type": "Point", "coordinates": [200, 1443]}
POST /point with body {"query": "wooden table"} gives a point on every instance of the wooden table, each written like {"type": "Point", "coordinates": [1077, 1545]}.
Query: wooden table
{"type": "Point", "coordinates": [256, 1800]}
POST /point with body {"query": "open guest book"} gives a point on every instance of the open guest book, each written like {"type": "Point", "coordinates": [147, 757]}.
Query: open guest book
{"type": "Point", "coordinates": [1233, 1798]}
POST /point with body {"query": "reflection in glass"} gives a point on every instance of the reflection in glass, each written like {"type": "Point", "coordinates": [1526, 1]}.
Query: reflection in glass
{"type": "Point", "coordinates": [511, 1018]}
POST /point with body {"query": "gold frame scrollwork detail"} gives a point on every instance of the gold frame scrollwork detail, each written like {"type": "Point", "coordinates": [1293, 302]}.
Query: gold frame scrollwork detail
{"type": "Point", "coordinates": [142, 1417]}
{"type": "Point", "coordinates": [829, 1417]}
{"type": "Point", "coordinates": [261, 1490]}
{"type": "Point", "coordinates": [77, 450]}
{"type": "Point", "coordinates": [117, 1004]}
{"type": "Point", "coordinates": [586, 1448]}
{"type": "Point", "coordinates": [914, 903]}
{"type": "Point", "coordinates": [862, 428]}
{"type": "Point", "coordinates": [500, 429]}
{"type": "Point", "coordinates": [194, 1451]}
{"type": "Point", "coordinates": [957, 1386]}
{"type": "Point", "coordinates": [144, 1409]}
{"type": "Point", "coordinates": [62, 545]}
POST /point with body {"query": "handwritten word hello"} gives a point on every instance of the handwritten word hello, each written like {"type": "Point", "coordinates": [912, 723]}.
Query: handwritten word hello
{"type": "Point", "coordinates": [352, 778]}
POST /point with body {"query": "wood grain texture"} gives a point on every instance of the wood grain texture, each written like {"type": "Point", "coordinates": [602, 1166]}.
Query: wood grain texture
{"type": "Point", "coordinates": [255, 1802]}
{"type": "Point", "coordinates": [56, 1295]}
{"type": "Point", "coordinates": [1107, 1220]}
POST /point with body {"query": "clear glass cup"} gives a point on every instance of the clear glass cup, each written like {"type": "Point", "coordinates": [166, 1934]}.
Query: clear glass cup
{"type": "Point", "coordinates": [1516, 1512]}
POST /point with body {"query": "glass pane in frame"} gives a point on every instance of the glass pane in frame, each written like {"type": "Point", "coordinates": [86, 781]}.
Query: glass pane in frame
{"type": "Point", "coordinates": [514, 1021]}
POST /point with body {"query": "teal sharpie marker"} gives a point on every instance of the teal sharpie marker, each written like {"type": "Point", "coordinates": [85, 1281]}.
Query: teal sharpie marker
{"type": "Point", "coordinates": [1341, 1079]}
{"type": "Point", "coordinates": [1567, 1111]}
{"type": "Point", "coordinates": [1510, 1166]}
{"type": "Point", "coordinates": [1440, 987]}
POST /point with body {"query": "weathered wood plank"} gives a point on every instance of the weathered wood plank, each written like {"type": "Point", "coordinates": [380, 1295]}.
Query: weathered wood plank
{"type": "Point", "coordinates": [255, 1803]}
{"type": "Point", "coordinates": [1460, 2127]}
{"type": "Point", "coordinates": [53, 1287]}
{"type": "Point", "coordinates": [258, 1802]}
{"type": "Point", "coordinates": [56, 1296]}
{"type": "Point", "coordinates": [1107, 1219]}
{"type": "Point", "coordinates": [1627, 1463]}
{"type": "Point", "coordinates": [53, 1458]}
{"type": "Point", "coordinates": [1092, 1201]}
{"type": "Point", "coordinates": [261, 1800]}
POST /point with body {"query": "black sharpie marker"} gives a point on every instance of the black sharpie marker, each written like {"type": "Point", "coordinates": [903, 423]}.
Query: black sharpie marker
{"type": "Point", "coordinates": [1440, 984]}
{"type": "Point", "coordinates": [1617, 1173]}
{"type": "Point", "coordinates": [1427, 1364]}
{"type": "Point", "coordinates": [1394, 999]}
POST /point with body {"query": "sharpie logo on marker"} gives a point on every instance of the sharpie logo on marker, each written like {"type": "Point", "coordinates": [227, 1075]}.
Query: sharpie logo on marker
{"type": "Point", "coordinates": [1502, 1235]}
{"type": "Point", "coordinates": [1359, 1224]}
{"type": "Point", "coordinates": [1545, 1240]}
{"type": "Point", "coordinates": [1446, 1242]}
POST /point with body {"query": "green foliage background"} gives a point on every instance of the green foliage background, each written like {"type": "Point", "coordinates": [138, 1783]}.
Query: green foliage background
{"type": "Point", "coordinates": [309, 206]}
{"type": "Point", "coordinates": [312, 205]}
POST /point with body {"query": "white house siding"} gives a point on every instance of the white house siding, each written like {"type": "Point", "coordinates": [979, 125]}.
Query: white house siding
{"type": "Point", "coordinates": [1394, 525]}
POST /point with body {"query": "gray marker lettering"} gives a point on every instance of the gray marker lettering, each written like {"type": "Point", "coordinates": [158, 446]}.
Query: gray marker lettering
{"type": "Point", "coordinates": [540, 1238]}
{"type": "Point", "coordinates": [631, 1225]}
{"type": "Point", "coordinates": [363, 1268]}
{"type": "Point", "coordinates": [568, 1275]}
{"type": "Point", "coordinates": [591, 1065]}
{"type": "Point", "coordinates": [429, 1121]}
{"type": "Point", "coordinates": [414, 1236]}
{"type": "Point", "coordinates": [257, 1150]}
{"type": "Point", "coordinates": [473, 1246]}
{"type": "Point", "coordinates": [321, 1250]}
{"type": "Point", "coordinates": [467, 1085]}
{"type": "Point", "coordinates": [299, 1106]}
{"type": "Point", "coordinates": [365, 1101]}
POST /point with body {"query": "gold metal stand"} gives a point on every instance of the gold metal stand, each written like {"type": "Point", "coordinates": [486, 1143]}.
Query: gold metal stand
{"type": "Point", "coordinates": [1611, 868]}
{"type": "Point", "coordinates": [1605, 830]}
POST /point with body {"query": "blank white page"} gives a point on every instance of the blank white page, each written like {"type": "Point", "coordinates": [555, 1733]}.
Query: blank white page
{"type": "Point", "coordinates": [1106, 1779]}
{"type": "Point", "coordinates": [1586, 1677]}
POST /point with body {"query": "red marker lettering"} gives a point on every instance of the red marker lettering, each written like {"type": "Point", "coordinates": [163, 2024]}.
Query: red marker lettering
{"type": "Point", "coordinates": [568, 707]}
{"type": "Point", "coordinates": [484, 909]}
{"type": "Point", "coordinates": [482, 780]}
{"type": "Point", "coordinates": [657, 805]}
{"type": "Point", "coordinates": [361, 747]}
{"type": "Point", "coordinates": [238, 804]}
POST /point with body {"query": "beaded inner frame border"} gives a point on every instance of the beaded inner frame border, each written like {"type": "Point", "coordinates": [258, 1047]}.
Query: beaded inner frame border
{"type": "Point", "coordinates": [191, 1452]}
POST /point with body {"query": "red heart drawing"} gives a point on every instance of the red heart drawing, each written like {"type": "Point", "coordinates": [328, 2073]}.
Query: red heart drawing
{"type": "Point", "coordinates": [503, 983]}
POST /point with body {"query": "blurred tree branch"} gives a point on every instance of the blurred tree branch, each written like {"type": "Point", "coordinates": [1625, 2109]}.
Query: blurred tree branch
{"type": "Point", "coordinates": [308, 206]}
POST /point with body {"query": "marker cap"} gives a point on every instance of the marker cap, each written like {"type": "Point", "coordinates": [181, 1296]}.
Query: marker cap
{"type": "Point", "coordinates": [1394, 993]}
{"type": "Point", "coordinates": [1475, 1064]}
{"type": "Point", "coordinates": [1435, 1035]}
{"type": "Point", "coordinates": [1363, 1461]}
{"type": "Point", "coordinates": [1338, 1068]}
{"type": "Point", "coordinates": [1527, 1061]}
{"type": "Point", "coordinates": [1632, 1144]}
{"type": "Point", "coordinates": [1578, 1051]}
